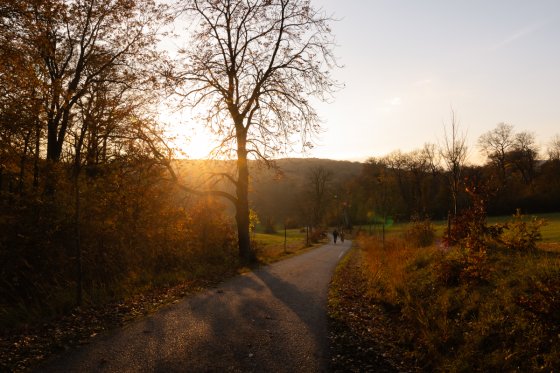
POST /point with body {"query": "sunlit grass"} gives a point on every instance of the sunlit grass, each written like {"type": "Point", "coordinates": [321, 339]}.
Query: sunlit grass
{"type": "Point", "coordinates": [271, 247]}
{"type": "Point", "coordinates": [550, 231]}
{"type": "Point", "coordinates": [505, 322]}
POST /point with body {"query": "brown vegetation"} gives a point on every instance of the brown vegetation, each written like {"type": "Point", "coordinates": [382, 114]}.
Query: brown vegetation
{"type": "Point", "coordinates": [459, 309]}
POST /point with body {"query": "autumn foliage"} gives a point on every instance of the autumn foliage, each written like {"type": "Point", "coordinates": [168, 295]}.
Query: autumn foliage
{"type": "Point", "coordinates": [136, 231]}
{"type": "Point", "coordinates": [489, 302]}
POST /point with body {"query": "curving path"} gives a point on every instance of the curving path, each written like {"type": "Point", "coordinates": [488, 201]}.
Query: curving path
{"type": "Point", "coordinates": [271, 320]}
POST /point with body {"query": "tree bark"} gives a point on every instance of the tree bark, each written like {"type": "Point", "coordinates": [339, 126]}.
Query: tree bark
{"type": "Point", "coordinates": [36, 156]}
{"type": "Point", "coordinates": [246, 252]}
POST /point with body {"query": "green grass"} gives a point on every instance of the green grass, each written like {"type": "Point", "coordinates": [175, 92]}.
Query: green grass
{"type": "Point", "coordinates": [550, 232]}
{"type": "Point", "coordinates": [270, 246]}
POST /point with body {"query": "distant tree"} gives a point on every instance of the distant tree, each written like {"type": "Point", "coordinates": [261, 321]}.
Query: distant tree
{"type": "Point", "coordinates": [380, 190]}
{"type": "Point", "coordinates": [318, 193]}
{"type": "Point", "coordinates": [454, 154]}
{"type": "Point", "coordinates": [496, 144]}
{"type": "Point", "coordinates": [554, 149]}
{"type": "Point", "coordinates": [432, 156]}
{"type": "Point", "coordinates": [547, 183]}
{"type": "Point", "coordinates": [396, 164]}
{"type": "Point", "coordinates": [524, 155]}
{"type": "Point", "coordinates": [250, 67]}
{"type": "Point", "coordinates": [421, 168]}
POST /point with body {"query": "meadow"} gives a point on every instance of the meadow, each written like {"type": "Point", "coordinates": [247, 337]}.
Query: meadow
{"type": "Point", "coordinates": [271, 247]}
{"type": "Point", "coordinates": [550, 231]}
{"type": "Point", "coordinates": [440, 308]}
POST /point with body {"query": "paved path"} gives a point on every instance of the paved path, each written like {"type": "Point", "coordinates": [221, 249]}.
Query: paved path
{"type": "Point", "coordinates": [270, 320]}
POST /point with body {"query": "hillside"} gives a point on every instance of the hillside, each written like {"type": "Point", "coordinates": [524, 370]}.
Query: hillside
{"type": "Point", "coordinates": [276, 193]}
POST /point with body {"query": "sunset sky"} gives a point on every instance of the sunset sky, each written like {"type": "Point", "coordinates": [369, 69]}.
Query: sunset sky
{"type": "Point", "coordinates": [406, 63]}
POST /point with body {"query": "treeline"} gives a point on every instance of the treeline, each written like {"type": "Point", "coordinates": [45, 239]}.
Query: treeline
{"type": "Point", "coordinates": [417, 184]}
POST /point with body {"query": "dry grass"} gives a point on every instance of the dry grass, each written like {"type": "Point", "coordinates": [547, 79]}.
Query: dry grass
{"type": "Point", "coordinates": [387, 264]}
{"type": "Point", "coordinates": [506, 320]}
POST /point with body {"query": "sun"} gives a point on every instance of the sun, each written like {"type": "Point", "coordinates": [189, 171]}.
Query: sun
{"type": "Point", "coordinates": [189, 139]}
{"type": "Point", "coordinates": [191, 142]}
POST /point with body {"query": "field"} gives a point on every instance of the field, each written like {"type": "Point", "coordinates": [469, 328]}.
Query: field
{"type": "Point", "coordinates": [271, 247]}
{"type": "Point", "coordinates": [550, 231]}
{"type": "Point", "coordinates": [450, 309]}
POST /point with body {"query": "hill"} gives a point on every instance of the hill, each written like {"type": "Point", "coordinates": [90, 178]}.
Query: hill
{"type": "Point", "coordinates": [277, 192]}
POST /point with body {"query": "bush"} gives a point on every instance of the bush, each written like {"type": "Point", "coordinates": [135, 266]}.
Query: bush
{"type": "Point", "coordinates": [520, 234]}
{"type": "Point", "coordinates": [542, 297]}
{"type": "Point", "coordinates": [317, 235]}
{"type": "Point", "coordinates": [421, 232]}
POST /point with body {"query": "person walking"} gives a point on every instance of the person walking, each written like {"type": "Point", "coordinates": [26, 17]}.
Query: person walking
{"type": "Point", "coordinates": [335, 235]}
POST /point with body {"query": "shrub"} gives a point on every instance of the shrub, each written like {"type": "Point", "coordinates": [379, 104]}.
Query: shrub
{"type": "Point", "coordinates": [316, 235]}
{"type": "Point", "coordinates": [542, 297]}
{"type": "Point", "coordinates": [520, 234]}
{"type": "Point", "coordinates": [460, 266]}
{"type": "Point", "coordinates": [421, 232]}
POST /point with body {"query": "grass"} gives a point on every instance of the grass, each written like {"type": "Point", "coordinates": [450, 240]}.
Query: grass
{"type": "Point", "coordinates": [550, 232]}
{"type": "Point", "coordinates": [270, 246]}
{"type": "Point", "coordinates": [454, 312]}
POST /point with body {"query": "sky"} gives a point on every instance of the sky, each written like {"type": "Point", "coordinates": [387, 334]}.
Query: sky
{"type": "Point", "coordinates": [408, 63]}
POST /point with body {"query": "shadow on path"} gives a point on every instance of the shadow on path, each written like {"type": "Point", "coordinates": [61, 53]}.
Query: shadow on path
{"type": "Point", "coordinates": [273, 319]}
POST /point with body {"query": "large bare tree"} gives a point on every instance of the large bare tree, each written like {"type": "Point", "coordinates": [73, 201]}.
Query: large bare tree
{"type": "Point", "coordinates": [251, 67]}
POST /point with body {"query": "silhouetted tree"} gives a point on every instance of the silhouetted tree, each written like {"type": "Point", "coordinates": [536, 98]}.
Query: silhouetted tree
{"type": "Point", "coordinates": [496, 144]}
{"type": "Point", "coordinates": [524, 156]}
{"type": "Point", "coordinates": [71, 46]}
{"type": "Point", "coordinates": [250, 67]}
{"type": "Point", "coordinates": [554, 148]}
{"type": "Point", "coordinates": [454, 154]}
{"type": "Point", "coordinates": [318, 193]}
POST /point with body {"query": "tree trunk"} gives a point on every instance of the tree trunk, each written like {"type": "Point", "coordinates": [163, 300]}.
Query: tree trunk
{"type": "Point", "coordinates": [51, 161]}
{"type": "Point", "coordinates": [242, 206]}
{"type": "Point", "coordinates": [36, 156]}
{"type": "Point", "coordinates": [23, 161]}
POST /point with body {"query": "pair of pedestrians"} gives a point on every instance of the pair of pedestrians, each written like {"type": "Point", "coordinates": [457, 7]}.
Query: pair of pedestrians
{"type": "Point", "coordinates": [335, 235]}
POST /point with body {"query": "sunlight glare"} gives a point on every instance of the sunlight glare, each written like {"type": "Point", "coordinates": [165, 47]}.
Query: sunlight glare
{"type": "Point", "coordinates": [189, 139]}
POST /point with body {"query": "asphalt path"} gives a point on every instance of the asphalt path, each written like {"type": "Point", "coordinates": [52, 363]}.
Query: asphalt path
{"type": "Point", "coordinates": [273, 319]}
